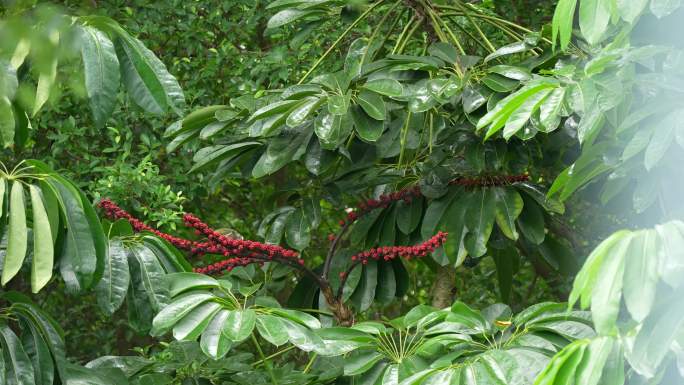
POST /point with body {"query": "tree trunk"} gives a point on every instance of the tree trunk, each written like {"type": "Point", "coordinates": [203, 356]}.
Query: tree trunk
{"type": "Point", "coordinates": [444, 287]}
{"type": "Point", "coordinates": [343, 314]}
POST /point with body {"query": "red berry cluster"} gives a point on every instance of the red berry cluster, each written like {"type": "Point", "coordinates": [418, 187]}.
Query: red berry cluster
{"type": "Point", "coordinates": [490, 181]}
{"type": "Point", "coordinates": [221, 244]}
{"type": "Point", "coordinates": [383, 201]}
{"type": "Point", "coordinates": [408, 194]}
{"type": "Point", "coordinates": [114, 212]}
{"type": "Point", "coordinates": [390, 252]}
{"type": "Point", "coordinates": [244, 252]}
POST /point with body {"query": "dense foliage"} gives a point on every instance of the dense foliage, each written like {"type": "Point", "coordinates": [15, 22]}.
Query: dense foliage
{"type": "Point", "coordinates": [310, 192]}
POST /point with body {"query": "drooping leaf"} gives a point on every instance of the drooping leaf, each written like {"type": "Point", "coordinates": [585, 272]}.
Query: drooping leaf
{"type": "Point", "coordinates": [112, 288]}
{"type": "Point", "coordinates": [20, 368]}
{"type": "Point", "coordinates": [594, 16]}
{"type": "Point", "coordinates": [372, 104]}
{"type": "Point", "coordinates": [101, 70]}
{"type": "Point", "coordinates": [509, 205]}
{"type": "Point", "coordinates": [193, 324]}
{"type": "Point", "coordinates": [562, 22]}
{"type": "Point", "coordinates": [214, 342]}
{"type": "Point", "coordinates": [641, 274]}
{"type": "Point", "coordinates": [18, 235]}
{"type": "Point", "coordinates": [479, 221]}
{"type": "Point", "coordinates": [239, 324]}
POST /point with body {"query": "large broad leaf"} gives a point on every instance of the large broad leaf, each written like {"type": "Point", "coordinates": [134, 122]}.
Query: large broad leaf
{"type": "Point", "coordinates": [148, 82]}
{"type": "Point", "coordinates": [298, 230]}
{"type": "Point", "coordinates": [179, 283]}
{"type": "Point", "coordinates": [112, 288]}
{"type": "Point", "coordinates": [239, 324]}
{"type": "Point", "coordinates": [177, 309]}
{"type": "Point", "coordinates": [365, 291]}
{"type": "Point", "coordinates": [372, 104]}
{"type": "Point", "coordinates": [39, 352]}
{"type": "Point", "coordinates": [79, 256]}
{"type": "Point", "coordinates": [630, 9]}
{"type": "Point", "coordinates": [480, 221]}
{"type": "Point", "coordinates": [101, 70]}
{"type": "Point", "coordinates": [641, 274]}
{"type": "Point", "coordinates": [562, 22]}
{"type": "Point", "coordinates": [387, 87]}
{"type": "Point", "coordinates": [509, 205]}
{"type": "Point", "coordinates": [531, 222]}
{"type": "Point", "coordinates": [20, 368]}
{"type": "Point", "coordinates": [18, 236]}
{"type": "Point", "coordinates": [655, 337]}
{"type": "Point", "coordinates": [524, 113]}
{"type": "Point", "coordinates": [594, 16]}
{"type": "Point", "coordinates": [367, 128]}
{"type": "Point", "coordinates": [193, 324]}
{"type": "Point", "coordinates": [43, 249]}
{"type": "Point", "coordinates": [271, 329]}
{"type": "Point", "coordinates": [7, 122]}
{"type": "Point", "coordinates": [662, 8]}
{"type": "Point", "coordinates": [214, 342]}
{"type": "Point", "coordinates": [607, 292]}
{"type": "Point", "coordinates": [147, 274]}
{"type": "Point", "coordinates": [280, 151]}
{"type": "Point", "coordinates": [361, 362]}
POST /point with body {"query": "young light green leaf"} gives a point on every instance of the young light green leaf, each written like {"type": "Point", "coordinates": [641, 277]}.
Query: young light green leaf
{"type": "Point", "coordinates": [43, 250]}
{"type": "Point", "coordinates": [7, 122]}
{"type": "Point", "coordinates": [522, 115]}
{"type": "Point", "coordinates": [662, 8]}
{"type": "Point", "coordinates": [607, 292]}
{"type": "Point", "coordinates": [562, 22]}
{"type": "Point", "coordinates": [18, 235]}
{"type": "Point", "coordinates": [594, 16]}
{"type": "Point", "coordinates": [630, 9]}
{"type": "Point", "coordinates": [641, 274]}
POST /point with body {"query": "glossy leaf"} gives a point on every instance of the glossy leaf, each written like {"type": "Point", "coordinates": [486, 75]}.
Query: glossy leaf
{"type": "Point", "coordinates": [594, 16]}
{"type": "Point", "coordinates": [20, 370]}
{"type": "Point", "coordinates": [480, 218]}
{"type": "Point", "coordinates": [239, 324]}
{"type": "Point", "coordinates": [112, 288]}
{"type": "Point", "coordinates": [214, 343]}
{"type": "Point", "coordinates": [271, 329]}
{"type": "Point", "coordinates": [18, 236]}
{"type": "Point", "coordinates": [372, 104]}
{"type": "Point", "coordinates": [193, 324]}
{"type": "Point", "coordinates": [177, 309]}
{"type": "Point", "coordinates": [509, 205]}
{"type": "Point", "coordinates": [387, 87]}
{"type": "Point", "coordinates": [562, 22]}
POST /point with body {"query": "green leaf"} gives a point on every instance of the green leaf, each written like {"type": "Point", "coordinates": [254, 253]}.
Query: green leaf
{"type": "Point", "coordinates": [387, 284]}
{"type": "Point", "coordinates": [239, 324]}
{"type": "Point", "coordinates": [454, 223]}
{"type": "Point", "coordinates": [607, 291]}
{"type": "Point", "coordinates": [594, 16]}
{"type": "Point", "coordinates": [20, 369]}
{"type": "Point", "coordinates": [303, 338]}
{"type": "Point", "coordinates": [641, 274]}
{"type": "Point", "coordinates": [387, 87]}
{"type": "Point", "coordinates": [480, 218]}
{"type": "Point", "coordinates": [367, 128]}
{"type": "Point", "coordinates": [586, 279]}
{"type": "Point", "coordinates": [173, 312]}
{"type": "Point", "coordinates": [184, 281]}
{"type": "Point", "coordinates": [289, 15]}
{"type": "Point", "coordinates": [499, 115]}
{"type": "Point", "coordinates": [46, 80]}
{"type": "Point", "coordinates": [101, 70]}
{"type": "Point", "coordinates": [148, 274]}
{"type": "Point", "coordinates": [298, 230]}
{"type": "Point", "coordinates": [147, 80]}
{"type": "Point", "coordinates": [531, 222]}
{"type": "Point", "coordinates": [630, 9]}
{"type": "Point", "coordinates": [562, 22]}
{"type": "Point", "coordinates": [365, 291]}
{"type": "Point", "coordinates": [522, 115]}
{"type": "Point", "coordinates": [78, 260]}
{"type": "Point", "coordinates": [505, 261]}
{"type": "Point", "coordinates": [596, 354]}
{"type": "Point", "coordinates": [37, 349]}
{"type": "Point", "coordinates": [43, 250]}
{"type": "Point", "coordinates": [7, 122]}
{"type": "Point", "coordinates": [391, 375]}
{"type": "Point", "coordinates": [214, 342]}
{"type": "Point", "coordinates": [662, 139]}
{"type": "Point", "coordinates": [271, 329]}
{"type": "Point", "coordinates": [17, 233]}
{"type": "Point", "coordinates": [512, 72]}
{"type": "Point", "coordinates": [273, 109]}
{"type": "Point", "coordinates": [433, 215]}
{"type": "Point", "coordinates": [338, 104]}
{"type": "Point", "coordinates": [517, 47]}
{"type": "Point", "coordinates": [297, 316]}
{"type": "Point", "coordinates": [281, 150]}
{"type": "Point", "coordinates": [408, 218]}
{"type": "Point", "coordinates": [509, 205]}
{"type": "Point", "coordinates": [361, 362]}
{"type": "Point", "coordinates": [655, 337]}
{"type": "Point", "coordinates": [551, 109]}
{"type": "Point", "coordinates": [112, 288]}
{"type": "Point", "coordinates": [463, 314]}
{"type": "Point", "coordinates": [193, 324]}
{"type": "Point", "coordinates": [372, 104]}
{"type": "Point", "coordinates": [331, 129]}
{"type": "Point", "coordinates": [299, 114]}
